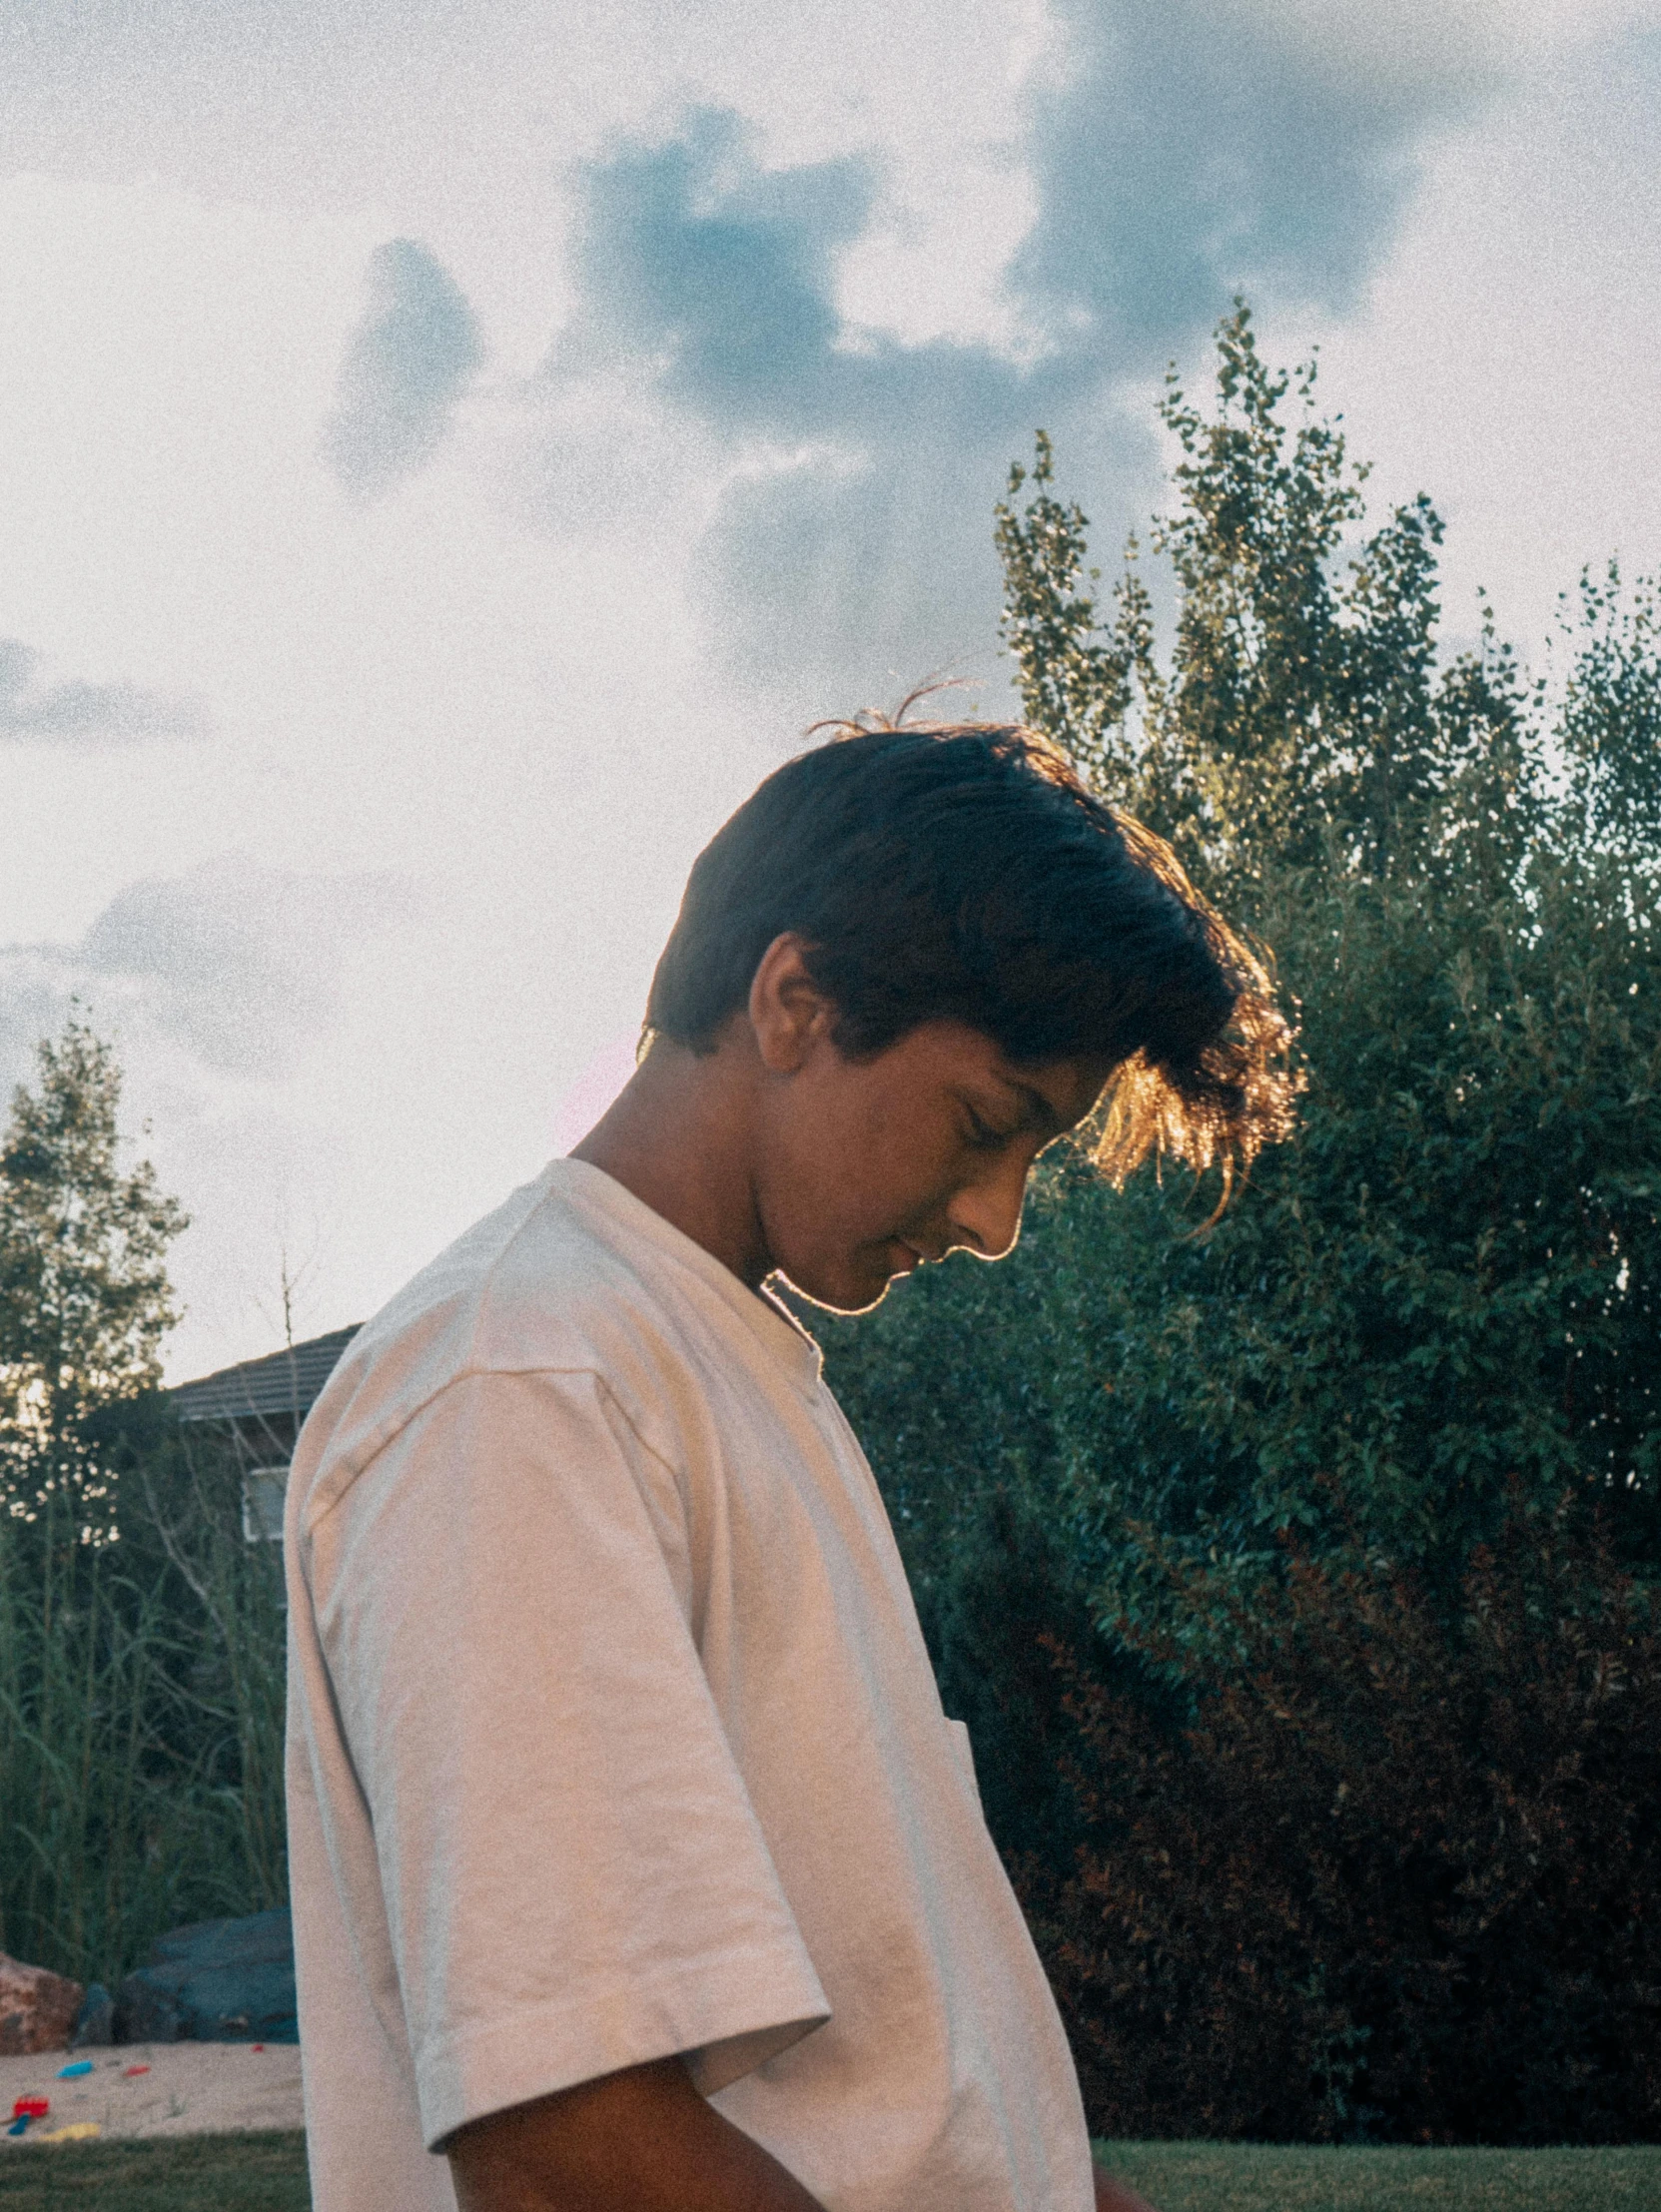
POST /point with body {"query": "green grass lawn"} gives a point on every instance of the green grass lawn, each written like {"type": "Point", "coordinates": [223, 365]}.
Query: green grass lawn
{"type": "Point", "coordinates": [1252, 2177]}
{"type": "Point", "coordinates": [267, 2173]}
{"type": "Point", "coordinates": [179, 2173]}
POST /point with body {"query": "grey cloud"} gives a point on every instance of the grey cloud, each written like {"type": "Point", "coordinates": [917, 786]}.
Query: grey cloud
{"type": "Point", "coordinates": [78, 713]}
{"type": "Point", "coordinates": [409, 362]}
{"type": "Point", "coordinates": [835, 585]}
{"type": "Point", "coordinates": [719, 275]}
{"type": "Point", "coordinates": [834, 568]}
{"type": "Point", "coordinates": [1189, 149]}
{"type": "Point", "coordinates": [720, 278]}
{"type": "Point", "coordinates": [1196, 146]}
{"type": "Point", "coordinates": [235, 962]}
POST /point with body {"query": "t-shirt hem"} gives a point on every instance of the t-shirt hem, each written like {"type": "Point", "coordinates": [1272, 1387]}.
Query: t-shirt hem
{"type": "Point", "coordinates": [726, 2017]}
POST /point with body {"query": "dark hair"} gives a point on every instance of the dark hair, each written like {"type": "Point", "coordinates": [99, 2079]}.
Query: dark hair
{"type": "Point", "coordinates": [963, 870]}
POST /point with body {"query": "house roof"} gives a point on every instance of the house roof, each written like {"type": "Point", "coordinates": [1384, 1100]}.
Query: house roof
{"type": "Point", "coordinates": [289, 1382]}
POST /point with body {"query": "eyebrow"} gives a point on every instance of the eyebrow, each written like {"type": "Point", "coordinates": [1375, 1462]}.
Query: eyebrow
{"type": "Point", "coordinates": [1040, 1112]}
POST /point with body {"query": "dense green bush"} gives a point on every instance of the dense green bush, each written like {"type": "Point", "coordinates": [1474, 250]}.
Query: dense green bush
{"type": "Point", "coordinates": [140, 1724]}
{"type": "Point", "coordinates": [1397, 1873]}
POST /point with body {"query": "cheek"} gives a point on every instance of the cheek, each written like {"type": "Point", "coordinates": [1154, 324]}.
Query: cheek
{"type": "Point", "coordinates": [851, 1175]}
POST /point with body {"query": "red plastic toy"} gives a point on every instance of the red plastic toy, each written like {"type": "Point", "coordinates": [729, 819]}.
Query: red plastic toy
{"type": "Point", "coordinates": [31, 2108]}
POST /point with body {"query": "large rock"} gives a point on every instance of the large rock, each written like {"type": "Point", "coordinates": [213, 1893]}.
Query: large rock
{"type": "Point", "coordinates": [146, 2009]}
{"type": "Point", "coordinates": [221, 1982]}
{"type": "Point", "coordinates": [37, 2008]}
{"type": "Point", "coordinates": [95, 2022]}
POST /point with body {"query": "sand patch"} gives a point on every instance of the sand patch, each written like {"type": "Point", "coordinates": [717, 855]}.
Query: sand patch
{"type": "Point", "coordinates": [190, 2089]}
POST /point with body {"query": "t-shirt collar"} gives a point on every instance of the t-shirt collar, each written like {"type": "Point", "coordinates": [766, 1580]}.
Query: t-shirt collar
{"type": "Point", "coordinates": [765, 1315]}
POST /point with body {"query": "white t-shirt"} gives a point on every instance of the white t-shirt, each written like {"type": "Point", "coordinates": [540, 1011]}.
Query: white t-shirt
{"type": "Point", "coordinates": [612, 1734]}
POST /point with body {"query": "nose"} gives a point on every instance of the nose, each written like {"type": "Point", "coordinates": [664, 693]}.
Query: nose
{"type": "Point", "coordinates": [985, 1215]}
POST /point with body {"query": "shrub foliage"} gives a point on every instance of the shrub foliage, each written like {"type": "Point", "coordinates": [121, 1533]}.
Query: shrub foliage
{"type": "Point", "coordinates": [1397, 1872]}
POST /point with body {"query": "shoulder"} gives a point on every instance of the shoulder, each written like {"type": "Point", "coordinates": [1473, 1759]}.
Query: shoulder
{"type": "Point", "coordinates": [539, 1286]}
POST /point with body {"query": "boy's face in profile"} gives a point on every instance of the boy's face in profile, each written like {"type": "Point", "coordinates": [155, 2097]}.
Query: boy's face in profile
{"type": "Point", "coordinates": [865, 1167]}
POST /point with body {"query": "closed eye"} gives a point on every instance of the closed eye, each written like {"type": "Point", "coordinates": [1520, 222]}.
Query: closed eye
{"type": "Point", "coordinates": [981, 1136]}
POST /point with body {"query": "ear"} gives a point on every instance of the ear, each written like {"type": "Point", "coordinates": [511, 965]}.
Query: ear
{"type": "Point", "coordinates": [789, 1014]}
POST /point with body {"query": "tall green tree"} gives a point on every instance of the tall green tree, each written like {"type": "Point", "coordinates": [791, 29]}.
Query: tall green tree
{"type": "Point", "coordinates": [84, 1293]}
{"type": "Point", "coordinates": [139, 1637]}
{"type": "Point", "coordinates": [1301, 717]}
{"type": "Point", "coordinates": [1611, 720]}
{"type": "Point", "coordinates": [1447, 1285]}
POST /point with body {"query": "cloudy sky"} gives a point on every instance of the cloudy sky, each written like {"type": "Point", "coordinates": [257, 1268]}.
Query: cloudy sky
{"type": "Point", "coordinates": [450, 450]}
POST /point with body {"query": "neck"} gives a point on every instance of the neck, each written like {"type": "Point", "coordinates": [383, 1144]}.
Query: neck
{"type": "Point", "coordinates": [678, 1135]}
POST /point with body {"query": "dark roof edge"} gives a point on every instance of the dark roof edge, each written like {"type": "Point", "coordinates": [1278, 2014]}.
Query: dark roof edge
{"type": "Point", "coordinates": [289, 1382]}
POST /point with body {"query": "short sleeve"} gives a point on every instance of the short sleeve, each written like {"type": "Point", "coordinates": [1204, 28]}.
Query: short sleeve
{"type": "Point", "coordinates": [573, 1875]}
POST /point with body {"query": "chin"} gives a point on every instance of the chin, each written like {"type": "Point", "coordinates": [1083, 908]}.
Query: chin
{"type": "Point", "coordinates": [850, 1293]}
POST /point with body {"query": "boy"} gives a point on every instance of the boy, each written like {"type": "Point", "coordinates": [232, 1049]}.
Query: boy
{"type": "Point", "coordinates": [635, 1866]}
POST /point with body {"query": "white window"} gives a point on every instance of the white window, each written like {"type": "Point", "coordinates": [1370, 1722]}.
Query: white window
{"type": "Point", "coordinates": [264, 1492]}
